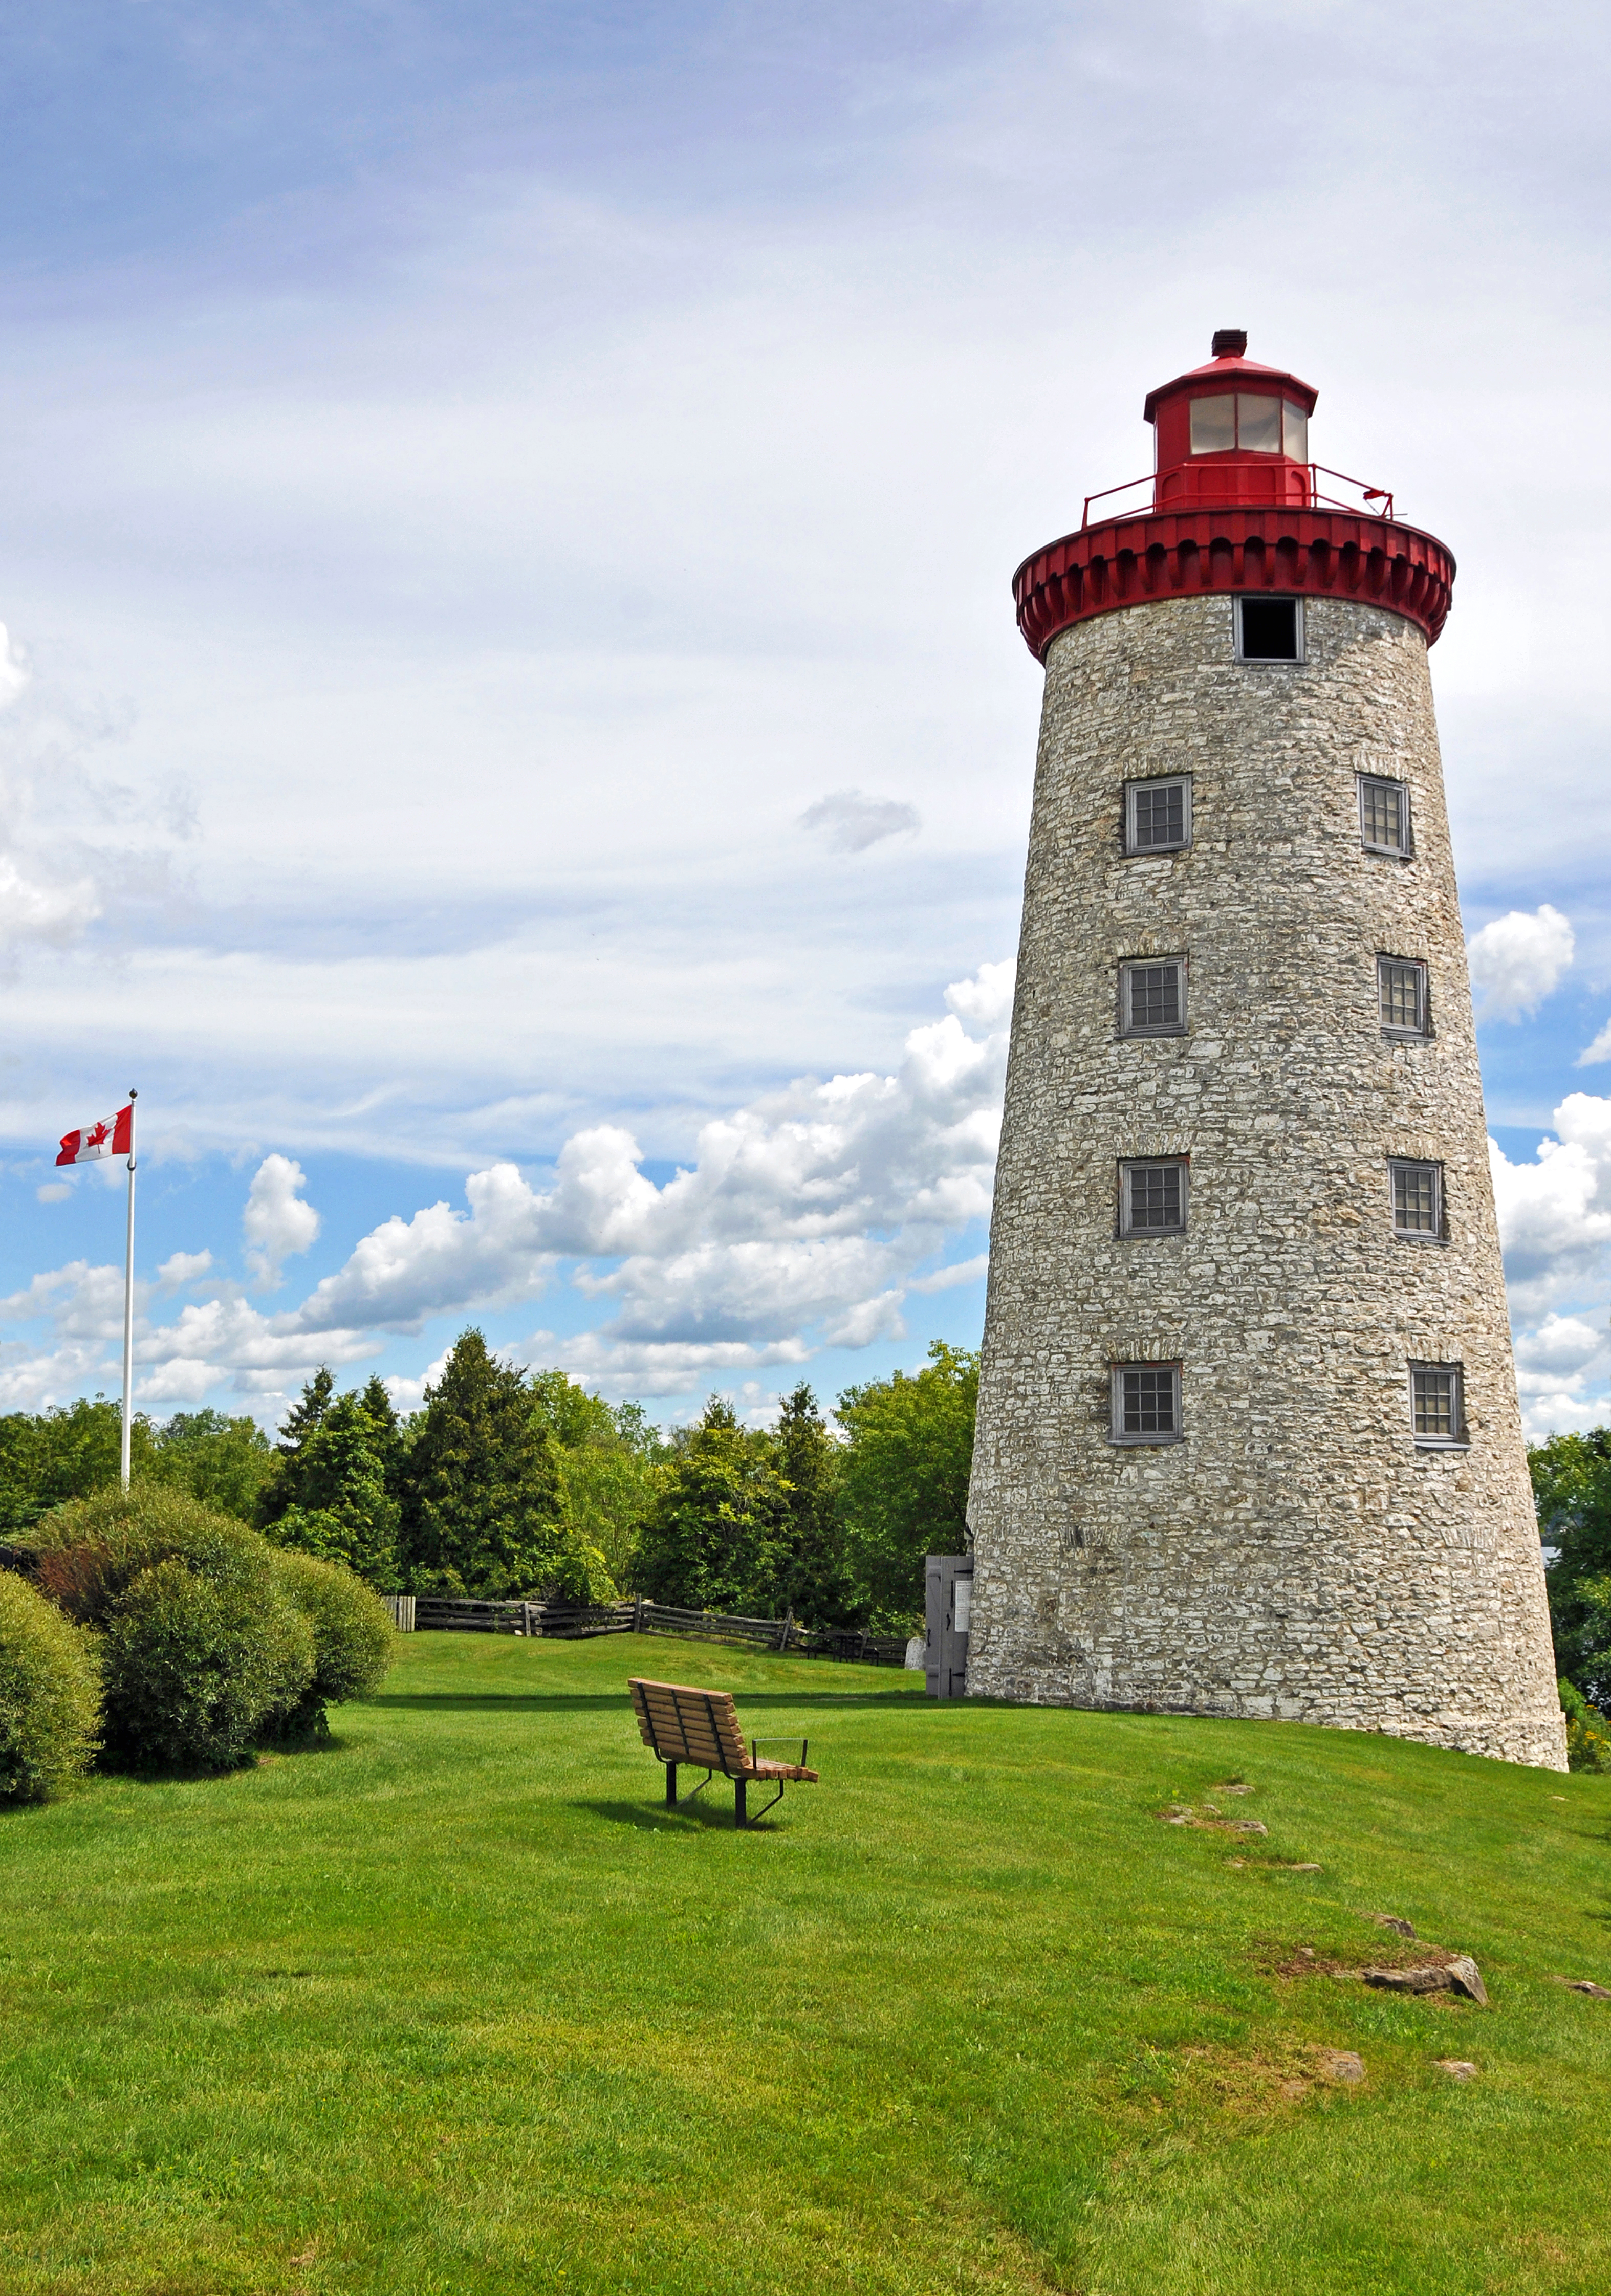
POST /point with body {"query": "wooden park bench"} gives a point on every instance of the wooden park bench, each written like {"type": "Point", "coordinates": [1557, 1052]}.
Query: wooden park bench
{"type": "Point", "coordinates": [701, 1727]}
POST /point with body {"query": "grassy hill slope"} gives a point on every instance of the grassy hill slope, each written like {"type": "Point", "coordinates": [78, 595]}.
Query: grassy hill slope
{"type": "Point", "coordinates": [455, 2007]}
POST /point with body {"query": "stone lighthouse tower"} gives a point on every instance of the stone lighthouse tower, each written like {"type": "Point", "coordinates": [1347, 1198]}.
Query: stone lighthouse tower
{"type": "Point", "coordinates": [1248, 1440]}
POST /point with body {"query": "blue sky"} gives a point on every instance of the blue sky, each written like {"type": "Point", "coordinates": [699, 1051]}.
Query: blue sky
{"type": "Point", "coordinates": [508, 520]}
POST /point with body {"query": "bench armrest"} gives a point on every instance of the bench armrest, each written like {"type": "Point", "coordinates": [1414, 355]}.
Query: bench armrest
{"type": "Point", "coordinates": [778, 1742]}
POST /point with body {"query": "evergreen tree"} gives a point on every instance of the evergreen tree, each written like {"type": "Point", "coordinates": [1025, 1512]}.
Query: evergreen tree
{"type": "Point", "coordinates": [814, 1582]}
{"type": "Point", "coordinates": [338, 1505]}
{"type": "Point", "coordinates": [483, 1505]}
{"type": "Point", "coordinates": [904, 1475]}
{"type": "Point", "coordinates": [716, 1534]}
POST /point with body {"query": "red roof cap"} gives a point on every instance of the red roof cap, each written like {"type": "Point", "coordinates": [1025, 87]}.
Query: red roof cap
{"type": "Point", "coordinates": [1230, 366]}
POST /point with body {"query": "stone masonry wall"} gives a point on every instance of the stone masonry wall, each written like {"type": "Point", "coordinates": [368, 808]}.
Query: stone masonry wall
{"type": "Point", "coordinates": [1296, 1555]}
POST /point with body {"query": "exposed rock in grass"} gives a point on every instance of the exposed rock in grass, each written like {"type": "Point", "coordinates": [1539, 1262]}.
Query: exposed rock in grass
{"type": "Point", "coordinates": [1456, 2068]}
{"type": "Point", "coordinates": [1434, 1979]}
{"type": "Point", "coordinates": [1393, 1921]}
{"type": "Point", "coordinates": [1339, 2065]}
{"type": "Point", "coordinates": [1236, 1786]}
{"type": "Point", "coordinates": [1466, 1977]}
{"type": "Point", "coordinates": [1456, 1972]}
{"type": "Point", "coordinates": [1306, 1868]}
{"type": "Point", "coordinates": [1207, 1819]}
{"type": "Point", "coordinates": [1585, 1985]}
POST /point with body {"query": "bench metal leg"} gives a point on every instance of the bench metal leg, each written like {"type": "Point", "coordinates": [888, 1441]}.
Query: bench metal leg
{"type": "Point", "coordinates": [671, 1785]}
{"type": "Point", "coordinates": [738, 1803]}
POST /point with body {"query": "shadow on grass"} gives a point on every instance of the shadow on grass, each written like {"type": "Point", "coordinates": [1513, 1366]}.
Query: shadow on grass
{"type": "Point", "coordinates": [654, 1817]}
{"type": "Point", "coordinates": [579, 1702]}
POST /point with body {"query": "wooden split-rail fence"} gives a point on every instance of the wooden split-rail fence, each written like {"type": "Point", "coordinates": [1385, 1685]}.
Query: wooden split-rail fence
{"type": "Point", "coordinates": [573, 1621]}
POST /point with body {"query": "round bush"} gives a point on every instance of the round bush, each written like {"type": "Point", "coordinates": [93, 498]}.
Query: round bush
{"type": "Point", "coordinates": [352, 1635]}
{"type": "Point", "coordinates": [200, 1662]}
{"type": "Point", "coordinates": [203, 1650]}
{"type": "Point", "coordinates": [49, 1695]}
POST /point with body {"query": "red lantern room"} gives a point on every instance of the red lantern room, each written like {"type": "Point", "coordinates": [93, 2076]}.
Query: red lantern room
{"type": "Point", "coordinates": [1236, 506]}
{"type": "Point", "coordinates": [1232, 431]}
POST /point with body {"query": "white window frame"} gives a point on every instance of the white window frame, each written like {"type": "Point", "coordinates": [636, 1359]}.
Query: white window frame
{"type": "Point", "coordinates": [1460, 1440]}
{"type": "Point", "coordinates": [1406, 851]}
{"type": "Point", "coordinates": [1182, 782]}
{"type": "Point", "coordinates": [1165, 1028]}
{"type": "Point", "coordinates": [1390, 1030]}
{"type": "Point", "coordinates": [1438, 1232]}
{"type": "Point", "coordinates": [1115, 1425]}
{"type": "Point", "coordinates": [1266, 598]}
{"type": "Point", "coordinates": [1129, 1164]}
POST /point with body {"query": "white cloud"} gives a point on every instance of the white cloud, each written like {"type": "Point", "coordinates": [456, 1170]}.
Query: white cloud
{"type": "Point", "coordinates": [852, 822]}
{"type": "Point", "coordinates": [1516, 961]}
{"type": "Point", "coordinates": [53, 1192]}
{"type": "Point", "coordinates": [1555, 1212]}
{"type": "Point", "coordinates": [1600, 1050]}
{"type": "Point", "coordinates": [31, 910]}
{"type": "Point", "coordinates": [1560, 1344]}
{"type": "Point", "coordinates": [276, 1222]}
{"type": "Point", "coordinates": [183, 1268]}
{"type": "Point", "coordinates": [947, 1279]}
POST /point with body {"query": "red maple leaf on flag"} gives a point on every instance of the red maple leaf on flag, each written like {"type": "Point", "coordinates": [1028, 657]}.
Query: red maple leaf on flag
{"type": "Point", "coordinates": [95, 1135]}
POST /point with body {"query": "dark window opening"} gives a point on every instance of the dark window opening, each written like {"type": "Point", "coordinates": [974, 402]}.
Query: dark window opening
{"type": "Point", "coordinates": [1146, 1403]}
{"type": "Point", "coordinates": [1437, 1404]}
{"type": "Point", "coordinates": [1401, 996]}
{"type": "Point", "coordinates": [1153, 1199]}
{"type": "Point", "coordinates": [1270, 629]}
{"type": "Point", "coordinates": [1418, 1199]}
{"type": "Point", "coordinates": [1159, 816]}
{"type": "Point", "coordinates": [1153, 998]}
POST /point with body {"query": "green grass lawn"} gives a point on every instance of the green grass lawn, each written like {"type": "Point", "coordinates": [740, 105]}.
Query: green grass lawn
{"type": "Point", "coordinates": [455, 2006]}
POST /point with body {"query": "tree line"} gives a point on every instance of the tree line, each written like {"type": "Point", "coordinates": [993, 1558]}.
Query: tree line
{"type": "Point", "coordinates": [515, 1483]}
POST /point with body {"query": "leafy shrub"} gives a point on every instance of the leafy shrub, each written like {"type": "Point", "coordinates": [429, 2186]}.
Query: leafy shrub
{"type": "Point", "coordinates": [352, 1638]}
{"type": "Point", "coordinates": [1588, 1731]}
{"type": "Point", "coordinates": [49, 1695]}
{"type": "Point", "coordinates": [203, 1650]}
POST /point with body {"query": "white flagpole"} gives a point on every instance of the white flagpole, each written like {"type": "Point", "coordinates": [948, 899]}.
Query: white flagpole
{"type": "Point", "coordinates": [129, 1300]}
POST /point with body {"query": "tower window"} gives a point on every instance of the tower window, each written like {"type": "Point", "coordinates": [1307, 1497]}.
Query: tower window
{"type": "Point", "coordinates": [1270, 629]}
{"type": "Point", "coordinates": [1385, 815]}
{"type": "Point", "coordinates": [1401, 995]}
{"type": "Point", "coordinates": [1152, 1198]}
{"type": "Point", "coordinates": [1418, 1199]}
{"type": "Point", "coordinates": [1157, 815]}
{"type": "Point", "coordinates": [1249, 420]}
{"type": "Point", "coordinates": [1152, 998]}
{"type": "Point", "coordinates": [1146, 1403]}
{"type": "Point", "coordinates": [1437, 1407]}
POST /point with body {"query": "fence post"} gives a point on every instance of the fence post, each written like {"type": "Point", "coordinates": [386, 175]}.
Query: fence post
{"type": "Point", "coordinates": [788, 1627]}
{"type": "Point", "coordinates": [637, 1614]}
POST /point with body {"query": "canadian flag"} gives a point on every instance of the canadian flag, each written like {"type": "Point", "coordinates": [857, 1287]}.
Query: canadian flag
{"type": "Point", "coordinates": [113, 1135]}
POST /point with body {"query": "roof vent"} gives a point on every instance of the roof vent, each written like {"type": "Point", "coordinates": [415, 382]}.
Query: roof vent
{"type": "Point", "coordinates": [1230, 342]}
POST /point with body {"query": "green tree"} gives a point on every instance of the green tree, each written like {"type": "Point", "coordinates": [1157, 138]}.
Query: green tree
{"type": "Point", "coordinates": [606, 1457]}
{"type": "Point", "coordinates": [1572, 1491]}
{"type": "Point", "coordinates": [904, 1476]}
{"type": "Point", "coordinates": [716, 1534]}
{"type": "Point", "coordinates": [226, 1462]}
{"type": "Point", "coordinates": [816, 1581]}
{"type": "Point", "coordinates": [66, 1453]}
{"type": "Point", "coordinates": [483, 1500]}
